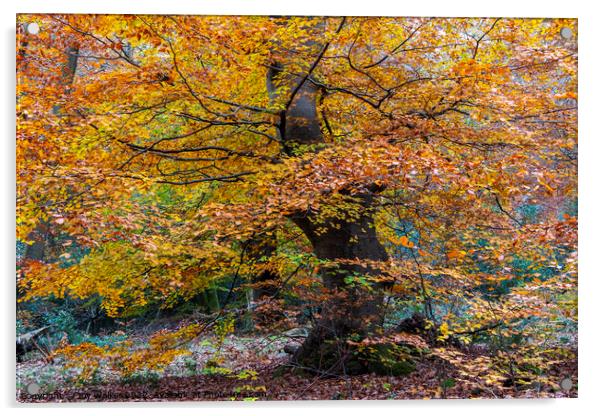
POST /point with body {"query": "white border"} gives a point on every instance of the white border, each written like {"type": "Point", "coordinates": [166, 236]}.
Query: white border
{"type": "Point", "coordinates": [590, 209]}
{"type": "Point", "coordinates": [511, 8]}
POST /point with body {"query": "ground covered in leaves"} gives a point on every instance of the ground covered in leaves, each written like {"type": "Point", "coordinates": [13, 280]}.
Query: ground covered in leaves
{"type": "Point", "coordinates": [257, 369]}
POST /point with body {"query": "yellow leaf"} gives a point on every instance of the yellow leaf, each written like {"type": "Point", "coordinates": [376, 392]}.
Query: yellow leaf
{"type": "Point", "coordinates": [545, 185]}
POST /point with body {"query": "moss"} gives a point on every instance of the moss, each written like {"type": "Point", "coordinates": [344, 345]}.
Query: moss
{"type": "Point", "coordinates": [325, 357]}
{"type": "Point", "coordinates": [382, 359]}
{"type": "Point", "coordinates": [388, 359]}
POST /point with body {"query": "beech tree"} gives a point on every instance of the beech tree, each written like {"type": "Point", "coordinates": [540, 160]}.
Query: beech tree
{"type": "Point", "coordinates": [374, 157]}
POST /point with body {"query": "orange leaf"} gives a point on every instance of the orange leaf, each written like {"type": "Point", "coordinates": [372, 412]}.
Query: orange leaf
{"type": "Point", "coordinates": [406, 242]}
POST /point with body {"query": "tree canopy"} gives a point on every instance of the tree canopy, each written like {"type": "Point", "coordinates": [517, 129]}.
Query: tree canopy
{"type": "Point", "coordinates": [428, 160]}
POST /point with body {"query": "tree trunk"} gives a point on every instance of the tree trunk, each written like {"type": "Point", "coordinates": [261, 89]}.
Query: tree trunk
{"type": "Point", "coordinates": [354, 308]}
{"type": "Point", "coordinates": [265, 283]}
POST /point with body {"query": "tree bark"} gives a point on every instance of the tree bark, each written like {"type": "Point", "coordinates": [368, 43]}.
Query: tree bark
{"type": "Point", "coordinates": [354, 309]}
{"type": "Point", "coordinates": [265, 284]}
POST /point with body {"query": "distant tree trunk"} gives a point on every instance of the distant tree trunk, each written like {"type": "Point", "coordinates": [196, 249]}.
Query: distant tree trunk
{"type": "Point", "coordinates": [210, 299]}
{"type": "Point", "coordinates": [42, 237]}
{"type": "Point", "coordinates": [265, 283]}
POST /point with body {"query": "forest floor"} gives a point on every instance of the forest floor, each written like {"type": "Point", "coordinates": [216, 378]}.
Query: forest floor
{"type": "Point", "coordinates": [255, 368]}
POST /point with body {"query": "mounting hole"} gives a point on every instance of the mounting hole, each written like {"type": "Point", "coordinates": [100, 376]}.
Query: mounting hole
{"type": "Point", "coordinates": [32, 28]}
{"type": "Point", "coordinates": [566, 33]}
{"type": "Point", "coordinates": [566, 384]}
{"type": "Point", "coordinates": [33, 388]}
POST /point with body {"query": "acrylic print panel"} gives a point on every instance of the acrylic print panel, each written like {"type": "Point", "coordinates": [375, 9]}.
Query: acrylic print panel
{"type": "Point", "coordinates": [295, 208]}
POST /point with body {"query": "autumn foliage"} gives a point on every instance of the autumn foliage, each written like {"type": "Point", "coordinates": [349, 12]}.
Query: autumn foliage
{"type": "Point", "coordinates": [344, 174]}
